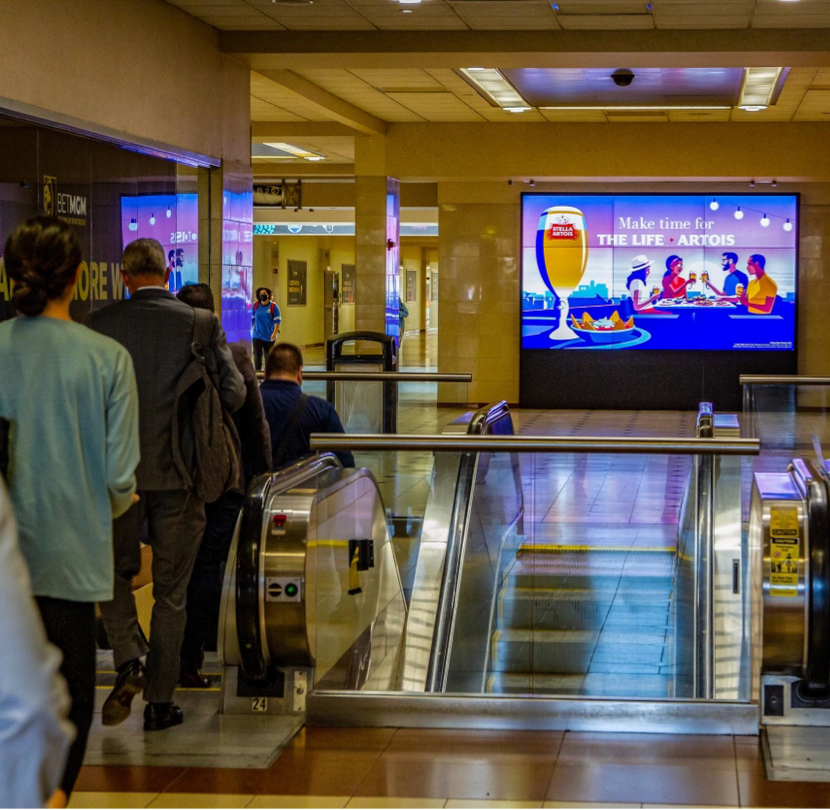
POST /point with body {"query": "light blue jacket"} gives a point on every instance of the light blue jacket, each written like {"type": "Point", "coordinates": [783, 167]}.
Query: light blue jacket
{"type": "Point", "coordinates": [70, 397]}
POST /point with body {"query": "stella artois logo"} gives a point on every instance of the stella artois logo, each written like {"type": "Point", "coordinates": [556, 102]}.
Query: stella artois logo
{"type": "Point", "coordinates": [561, 228]}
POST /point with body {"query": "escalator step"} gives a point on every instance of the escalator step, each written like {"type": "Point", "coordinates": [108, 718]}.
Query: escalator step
{"type": "Point", "coordinates": [598, 570]}
{"type": "Point", "coordinates": [591, 685]}
{"type": "Point", "coordinates": [578, 651]}
{"type": "Point", "coordinates": [528, 609]}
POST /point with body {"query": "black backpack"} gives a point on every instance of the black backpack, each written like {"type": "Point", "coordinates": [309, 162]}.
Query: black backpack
{"type": "Point", "coordinates": [204, 436]}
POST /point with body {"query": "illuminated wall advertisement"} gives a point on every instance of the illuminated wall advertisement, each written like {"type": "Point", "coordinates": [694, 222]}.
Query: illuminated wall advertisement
{"type": "Point", "coordinates": [604, 272]}
{"type": "Point", "coordinates": [173, 220]}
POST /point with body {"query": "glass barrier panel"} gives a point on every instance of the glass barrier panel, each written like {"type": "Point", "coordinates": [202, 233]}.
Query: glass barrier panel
{"type": "Point", "coordinates": [571, 574]}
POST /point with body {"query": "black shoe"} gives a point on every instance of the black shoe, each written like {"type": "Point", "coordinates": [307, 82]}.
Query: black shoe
{"type": "Point", "coordinates": [128, 684]}
{"type": "Point", "coordinates": [190, 677]}
{"type": "Point", "coordinates": [159, 716]}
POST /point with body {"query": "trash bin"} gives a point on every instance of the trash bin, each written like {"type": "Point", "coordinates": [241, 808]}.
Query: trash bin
{"type": "Point", "coordinates": [364, 407]}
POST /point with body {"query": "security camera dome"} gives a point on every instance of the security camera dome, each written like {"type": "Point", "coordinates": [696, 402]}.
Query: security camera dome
{"type": "Point", "coordinates": [622, 78]}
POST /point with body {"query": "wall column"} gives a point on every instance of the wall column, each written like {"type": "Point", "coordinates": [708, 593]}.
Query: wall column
{"type": "Point", "coordinates": [377, 239]}
{"type": "Point", "coordinates": [478, 293]}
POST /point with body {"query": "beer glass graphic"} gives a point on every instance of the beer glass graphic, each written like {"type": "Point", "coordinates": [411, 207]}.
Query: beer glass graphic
{"type": "Point", "coordinates": [562, 256]}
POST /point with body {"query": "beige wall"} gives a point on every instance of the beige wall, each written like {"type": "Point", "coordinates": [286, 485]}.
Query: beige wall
{"type": "Point", "coordinates": [140, 68]}
{"type": "Point", "coordinates": [479, 289]}
{"type": "Point", "coordinates": [303, 325]}
{"type": "Point", "coordinates": [411, 260]}
{"type": "Point", "coordinates": [677, 151]}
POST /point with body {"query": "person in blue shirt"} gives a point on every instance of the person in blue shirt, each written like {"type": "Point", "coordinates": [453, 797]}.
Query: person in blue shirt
{"type": "Point", "coordinates": [70, 397]}
{"type": "Point", "coordinates": [734, 278]}
{"type": "Point", "coordinates": [265, 322]}
{"type": "Point", "coordinates": [292, 416]}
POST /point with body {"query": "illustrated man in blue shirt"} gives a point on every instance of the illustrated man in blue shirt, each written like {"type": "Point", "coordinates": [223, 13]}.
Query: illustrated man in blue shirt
{"type": "Point", "coordinates": [734, 278]}
{"type": "Point", "coordinates": [292, 416]}
{"type": "Point", "coordinates": [265, 322]}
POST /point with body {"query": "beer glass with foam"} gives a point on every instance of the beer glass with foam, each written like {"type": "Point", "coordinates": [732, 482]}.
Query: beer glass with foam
{"type": "Point", "coordinates": [562, 256]}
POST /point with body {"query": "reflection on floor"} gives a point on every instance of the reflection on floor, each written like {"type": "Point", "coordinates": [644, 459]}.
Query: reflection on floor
{"type": "Point", "coordinates": [206, 740]}
{"type": "Point", "coordinates": [392, 767]}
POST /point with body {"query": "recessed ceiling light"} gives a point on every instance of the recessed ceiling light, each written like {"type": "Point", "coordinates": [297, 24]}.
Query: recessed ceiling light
{"type": "Point", "coordinates": [315, 157]}
{"type": "Point", "coordinates": [494, 86]}
{"type": "Point", "coordinates": [406, 11]}
{"type": "Point", "coordinates": [516, 109]}
{"type": "Point", "coordinates": [409, 2]}
{"type": "Point", "coordinates": [752, 107]}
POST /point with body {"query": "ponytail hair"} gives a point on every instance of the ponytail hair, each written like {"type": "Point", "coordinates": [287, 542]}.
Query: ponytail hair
{"type": "Point", "coordinates": [41, 256]}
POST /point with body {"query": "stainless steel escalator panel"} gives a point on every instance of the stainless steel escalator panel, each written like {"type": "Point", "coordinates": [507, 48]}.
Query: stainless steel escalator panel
{"type": "Point", "coordinates": [330, 609]}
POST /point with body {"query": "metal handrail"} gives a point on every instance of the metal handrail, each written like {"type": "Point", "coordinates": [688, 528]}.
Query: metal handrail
{"type": "Point", "coordinates": [534, 444]}
{"type": "Point", "coordinates": [383, 376]}
{"type": "Point", "coordinates": [783, 379]}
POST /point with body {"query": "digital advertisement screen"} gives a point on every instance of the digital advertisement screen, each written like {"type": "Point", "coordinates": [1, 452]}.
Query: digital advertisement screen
{"type": "Point", "coordinates": [659, 272]}
{"type": "Point", "coordinates": [173, 220]}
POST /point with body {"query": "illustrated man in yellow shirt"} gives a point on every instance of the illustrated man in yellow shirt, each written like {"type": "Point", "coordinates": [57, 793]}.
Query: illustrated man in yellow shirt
{"type": "Point", "coordinates": [759, 297]}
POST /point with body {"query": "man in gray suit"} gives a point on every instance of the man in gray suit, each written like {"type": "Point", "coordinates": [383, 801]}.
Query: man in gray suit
{"type": "Point", "coordinates": [157, 330]}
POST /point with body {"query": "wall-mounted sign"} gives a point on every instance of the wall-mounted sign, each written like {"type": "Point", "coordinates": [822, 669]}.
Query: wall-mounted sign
{"type": "Point", "coordinates": [411, 286]}
{"type": "Point", "coordinates": [329, 229]}
{"type": "Point", "coordinates": [283, 195]}
{"type": "Point", "coordinates": [297, 283]}
{"type": "Point", "coordinates": [348, 283]}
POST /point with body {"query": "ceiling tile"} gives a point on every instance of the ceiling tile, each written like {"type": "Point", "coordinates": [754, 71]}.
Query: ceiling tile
{"type": "Point", "coordinates": [437, 106]}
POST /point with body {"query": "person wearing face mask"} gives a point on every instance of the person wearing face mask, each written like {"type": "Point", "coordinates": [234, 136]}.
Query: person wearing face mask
{"type": "Point", "coordinates": [265, 323]}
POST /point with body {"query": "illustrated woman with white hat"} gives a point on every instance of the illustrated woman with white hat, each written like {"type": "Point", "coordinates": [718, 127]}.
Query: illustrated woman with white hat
{"type": "Point", "coordinates": [636, 283]}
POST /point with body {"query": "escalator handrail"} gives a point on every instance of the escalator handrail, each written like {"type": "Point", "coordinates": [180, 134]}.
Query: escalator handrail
{"type": "Point", "coordinates": [253, 655]}
{"type": "Point", "coordinates": [481, 424]}
{"type": "Point", "coordinates": [484, 418]}
{"type": "Point", "coordinates": [816, 490]}
{"type": "Point", "coordinates": [782, 379]}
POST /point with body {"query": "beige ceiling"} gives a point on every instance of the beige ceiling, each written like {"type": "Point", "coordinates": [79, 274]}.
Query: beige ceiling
{"type": "Point", "coordinates": [482, 15]}
{"type": "Point", "coordinates": [435, 95]}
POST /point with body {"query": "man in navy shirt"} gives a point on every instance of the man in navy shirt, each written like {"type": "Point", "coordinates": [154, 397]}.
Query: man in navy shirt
{"type": "Point", "coordinates": [293, 416]}
{"type": "Point", "coordinates": [734, 277]}
{"type": "Point", "coordinates": [266, 319]}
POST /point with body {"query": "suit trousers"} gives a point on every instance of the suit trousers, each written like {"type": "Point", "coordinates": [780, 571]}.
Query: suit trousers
{"type": "Point", "coordinates": [175, 525]}
{"type": "Point", "coordinates": [204, 594]}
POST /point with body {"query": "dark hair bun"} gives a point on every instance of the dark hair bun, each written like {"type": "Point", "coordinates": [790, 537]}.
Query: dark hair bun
{"type": "Point", "coordinates": [41, 257]}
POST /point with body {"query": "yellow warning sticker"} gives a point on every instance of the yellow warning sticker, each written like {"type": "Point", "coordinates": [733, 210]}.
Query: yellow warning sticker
{"type": "Point", "coordinates": [784, 551]}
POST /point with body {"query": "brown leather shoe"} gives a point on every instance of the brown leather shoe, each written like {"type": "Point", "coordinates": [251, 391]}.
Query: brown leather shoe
{"type": "Point", "coordinates": [128, 684]}
{"type": "Point", "coordinates": [190, 677]}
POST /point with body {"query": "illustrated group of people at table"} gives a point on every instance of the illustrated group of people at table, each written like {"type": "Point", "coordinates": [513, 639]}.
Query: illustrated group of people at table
{"type": "Point", "coordinates": [753, 289]}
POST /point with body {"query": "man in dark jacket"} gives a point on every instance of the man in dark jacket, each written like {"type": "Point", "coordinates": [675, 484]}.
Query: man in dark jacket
{"type": "Point", "coordinates": [205, 590]}
{"type": "Point", "coordinates": [157, 330]}
{"type": "Point", "coordinates": [292, 416]}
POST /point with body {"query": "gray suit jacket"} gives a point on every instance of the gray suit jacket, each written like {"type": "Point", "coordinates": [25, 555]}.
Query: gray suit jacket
{"type": "Point", "coordinates": [157, 329]}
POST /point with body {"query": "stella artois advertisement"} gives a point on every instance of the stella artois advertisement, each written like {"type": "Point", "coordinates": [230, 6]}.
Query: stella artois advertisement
{"type": "Point", "coordinates": [713, 272]}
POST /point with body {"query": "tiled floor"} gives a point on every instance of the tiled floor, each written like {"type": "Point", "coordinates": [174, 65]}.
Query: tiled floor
{"type": "Point", "coordinates": [570, 499]}
{"type": "Point", "coordinates": [427, 768]}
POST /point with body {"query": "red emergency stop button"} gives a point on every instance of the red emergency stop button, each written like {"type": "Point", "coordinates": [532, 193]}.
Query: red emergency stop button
{"type": "Point", "coordinates": [279, 522]}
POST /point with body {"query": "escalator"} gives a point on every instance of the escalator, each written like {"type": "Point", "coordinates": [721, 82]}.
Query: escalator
{"type": "Point", "coordinates": [584, 621]}
{"type": "Point", "coordinates": [493, 610]}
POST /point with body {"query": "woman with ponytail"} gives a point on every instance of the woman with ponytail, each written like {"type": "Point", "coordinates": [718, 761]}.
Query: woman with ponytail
{"type": "Point", "coordinates": [69, 397]}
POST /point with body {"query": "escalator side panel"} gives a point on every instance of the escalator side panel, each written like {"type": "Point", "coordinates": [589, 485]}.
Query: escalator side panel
{"type": "Point", "coordinates": [817, 669]}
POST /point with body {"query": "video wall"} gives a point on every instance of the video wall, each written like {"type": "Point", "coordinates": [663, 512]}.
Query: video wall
{"type": "Point", "coordinates": [172, 220]}
{"type": "Point", "coordinates": [702, 272]}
